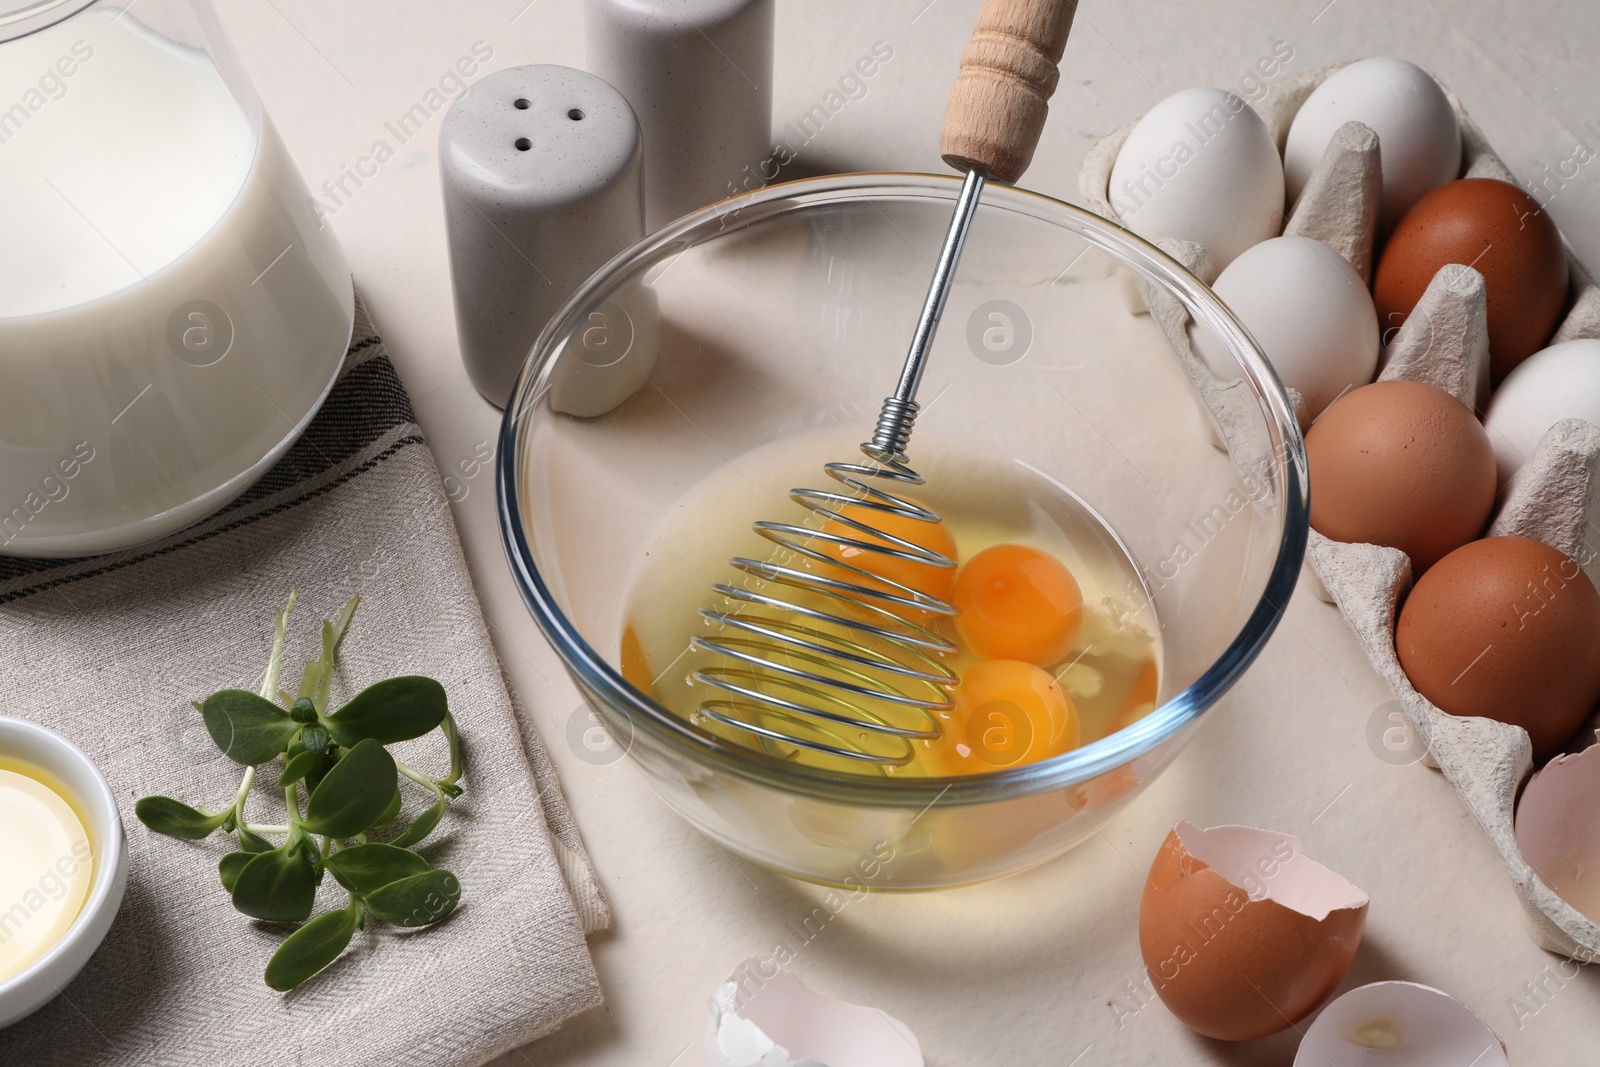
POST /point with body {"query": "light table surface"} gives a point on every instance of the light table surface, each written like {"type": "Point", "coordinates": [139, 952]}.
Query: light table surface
{"type": "Point", "coordinates": [1043, 968]}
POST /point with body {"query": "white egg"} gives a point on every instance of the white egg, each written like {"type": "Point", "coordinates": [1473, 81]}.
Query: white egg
{"type": "Point", "coordinates": [1399, 1023]}
{"type": "Point", "coordinates": [1200, 166]}
{"type": "Point", "coordinates": [1419, 141]}
{"type": "Point", "coordinates": [1308, 310]}
{"type": "Point", "coordinates": [1560, 382]}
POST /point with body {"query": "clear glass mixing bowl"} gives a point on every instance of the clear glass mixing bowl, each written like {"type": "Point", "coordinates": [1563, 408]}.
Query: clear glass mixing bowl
{"type": "Point", "coordinates": [789, 309]}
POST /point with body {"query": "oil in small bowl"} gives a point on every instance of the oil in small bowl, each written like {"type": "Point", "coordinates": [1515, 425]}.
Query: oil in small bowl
{"type": "Point", "coordinates": [47, 864]}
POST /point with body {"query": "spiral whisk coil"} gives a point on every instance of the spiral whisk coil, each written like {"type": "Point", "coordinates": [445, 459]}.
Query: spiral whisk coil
{"type": "Point", "coordinates": [817, 653]}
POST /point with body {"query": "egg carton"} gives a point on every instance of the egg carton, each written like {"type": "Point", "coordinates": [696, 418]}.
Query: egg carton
{"type": "Point", "coordinates": [1444, 343]}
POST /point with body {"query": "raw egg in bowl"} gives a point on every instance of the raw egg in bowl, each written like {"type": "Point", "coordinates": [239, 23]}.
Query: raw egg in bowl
{"type": "Point", "coordinates": [1111, 571]}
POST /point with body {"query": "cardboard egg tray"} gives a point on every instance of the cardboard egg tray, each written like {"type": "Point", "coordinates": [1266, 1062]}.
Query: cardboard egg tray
{"type": "Point", "coordinates": [1444, 343]}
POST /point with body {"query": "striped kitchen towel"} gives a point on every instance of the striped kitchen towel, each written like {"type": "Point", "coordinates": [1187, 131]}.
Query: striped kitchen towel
{"type": "Point", "coordinates": [110, 651]}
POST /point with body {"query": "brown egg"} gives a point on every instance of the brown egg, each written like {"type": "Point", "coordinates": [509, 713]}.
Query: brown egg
{"type": "Point", "coordinates": [1243, 956]}
{"type": "Point", "coordinates": [1402, 464]}
{"type": "Point", "coordinates": [1501, 232]}
{"type": "Point", "coordinates": [1507, 628]}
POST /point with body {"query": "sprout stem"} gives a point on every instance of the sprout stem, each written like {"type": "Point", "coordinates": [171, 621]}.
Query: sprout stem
{"type": "Point", "coordinates": [431, 784]}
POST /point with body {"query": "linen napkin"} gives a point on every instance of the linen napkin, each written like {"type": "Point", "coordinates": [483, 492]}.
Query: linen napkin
{"type": "Point", "coordinates": [109, 651]}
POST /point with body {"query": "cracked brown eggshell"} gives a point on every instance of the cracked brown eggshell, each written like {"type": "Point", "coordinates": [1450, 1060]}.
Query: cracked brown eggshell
{"type": "Point", "coordinates": [1242, 934]}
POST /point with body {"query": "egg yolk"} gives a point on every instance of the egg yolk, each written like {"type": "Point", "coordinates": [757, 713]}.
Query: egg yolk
{"type": "Point", "coordinates": [927, 578]}
{"type": "Point", "coordinates": [1018, 603]}
{"type": "Point", "coordinates": [635, 667]}
{"type": "Point", "coordinates": [1006, 713]}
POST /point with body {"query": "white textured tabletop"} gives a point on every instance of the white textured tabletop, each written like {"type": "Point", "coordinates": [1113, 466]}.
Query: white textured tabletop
{"type": "Point", "coordinates": [1039, 969]}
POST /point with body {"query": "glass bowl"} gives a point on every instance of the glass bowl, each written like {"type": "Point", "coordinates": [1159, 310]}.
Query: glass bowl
{"type": "Point", "coordinates": [786, 312]}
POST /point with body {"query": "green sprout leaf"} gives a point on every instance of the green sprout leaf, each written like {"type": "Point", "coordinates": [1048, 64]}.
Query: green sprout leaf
{"type": "Point", "coordinates": [367, 868]}
{"type": "Point", "coordinates": [278, 886]}
{"type": "Point", "coordinates": [453, 737]}
{"type": "Point", "coordinates": [314, 738]}
{"type": "Point", "coordinates": [301, 765]}
{"type": "Point", "coordinates": [335, 766]}
{"type": "Point", "coordinates": [314, 779]}
{"type": "Point", "coordinates": [354, 794]}
{"type": "Point", "coordinates": [253, 842]}
{"type": "Point", "coordinates": [391, 811]}
{"type": "Point", "coordinates": [310, 949]}
{"type": "Point", "coordinates": [249, 729]}
{"type": "Point", "coordinates": [167, 816]}
{"type": "Point", "coordinates": [422, 825]}
{"type": "Point", "coordinates": [390, 711]}
{"type": "Point", "coordinates": [230, 866]}
{"type": "Point", "coordinates": [420, 900]}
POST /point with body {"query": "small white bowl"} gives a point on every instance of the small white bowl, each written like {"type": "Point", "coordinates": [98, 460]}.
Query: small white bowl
{"type": "Point", "coordinates": [25, 993]}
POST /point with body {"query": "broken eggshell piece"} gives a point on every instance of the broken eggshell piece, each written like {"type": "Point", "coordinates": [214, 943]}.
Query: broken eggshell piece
{"type": "Point", "coordinates": [1555, 824]}
{"type": "Point", "coordinates": [763, 1016]}
{"type": "Point", "coordinates": [1244, 935]}
{"type": "Point", "coordinates": [1399, 1023]}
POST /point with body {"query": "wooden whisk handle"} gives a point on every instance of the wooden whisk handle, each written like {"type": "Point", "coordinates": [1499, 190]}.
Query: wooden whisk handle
{"type": "Point", "coordinates": [1000, 99]}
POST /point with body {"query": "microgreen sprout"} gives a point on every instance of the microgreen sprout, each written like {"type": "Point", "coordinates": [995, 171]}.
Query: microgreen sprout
{"type": "Point", "coordinates": [338, 785]}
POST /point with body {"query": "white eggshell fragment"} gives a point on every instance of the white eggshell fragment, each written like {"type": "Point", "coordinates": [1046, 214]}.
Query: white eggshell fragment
{"type": "Point", "coordinates": [1310, 312]}
{"type": "Point", "coordinates": [1399, 1024]}
{"type": "Point", "coordinates": [763, 1016]}
{"type": "Point", "coordinates": [1560, 382]}
{"type": "Point", "coordinates": [1200, 166]}
{"type": "Point", "coordinates": [1558, 828]}
{"type": "Point", "coordinates": [1253, 860]}
{"type": "Point", "coordinates": [1419, 140]}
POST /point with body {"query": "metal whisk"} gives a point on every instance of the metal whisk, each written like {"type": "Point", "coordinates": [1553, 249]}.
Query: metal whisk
{"type": "Point", "coordinates": [831, 657]}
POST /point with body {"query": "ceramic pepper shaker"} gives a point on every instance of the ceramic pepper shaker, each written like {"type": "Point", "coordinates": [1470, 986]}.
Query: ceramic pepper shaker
{"type": "Point", "coordinates": [542, 185]}
{"type": "Point", "coordinates": [699, 75]}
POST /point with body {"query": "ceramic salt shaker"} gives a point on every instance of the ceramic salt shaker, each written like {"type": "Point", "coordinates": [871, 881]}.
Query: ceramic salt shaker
{"type": "Point", "coordinates": [699, 75]}
{"type": "Point", "coordinates": [542, 185]}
